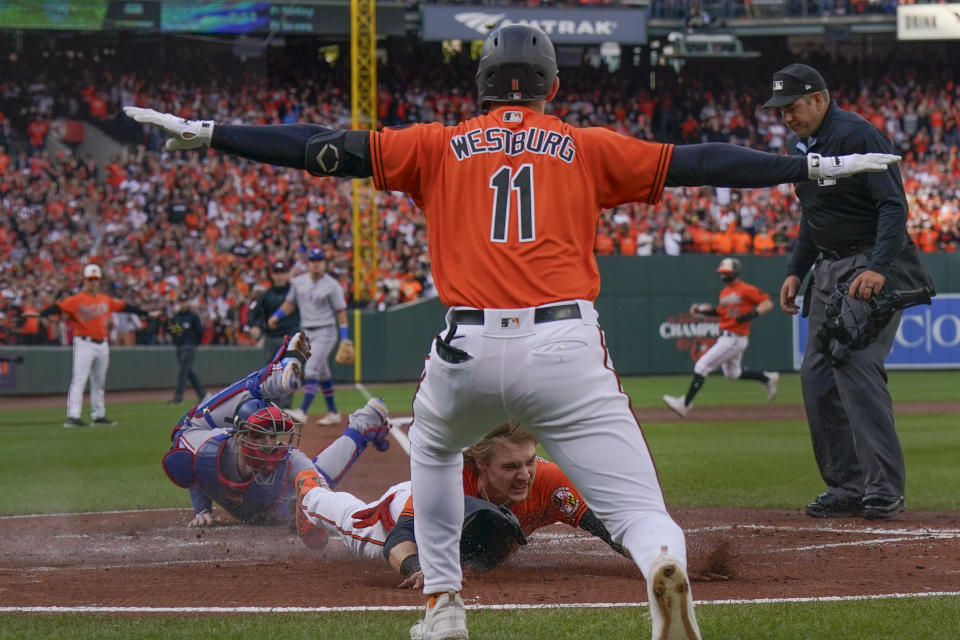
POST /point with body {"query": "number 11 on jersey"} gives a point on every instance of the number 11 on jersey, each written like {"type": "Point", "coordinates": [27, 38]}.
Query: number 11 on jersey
{"type": "Point", "coordinates": [504, 182]}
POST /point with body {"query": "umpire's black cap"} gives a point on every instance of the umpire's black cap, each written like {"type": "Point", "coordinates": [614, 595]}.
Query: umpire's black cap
{"type": "Point", "coordinates": [793, 82]}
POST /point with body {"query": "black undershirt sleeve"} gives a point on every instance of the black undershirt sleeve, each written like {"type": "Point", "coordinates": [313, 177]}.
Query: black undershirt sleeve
{"type": "Point", "coordinates": [402, 531]}
{"type": "Point", "coordinates": [729, 165]}
{"type": "Point", "coordinates": [280, 144]}
{"type": "Point", "coordinates": [591, 523]}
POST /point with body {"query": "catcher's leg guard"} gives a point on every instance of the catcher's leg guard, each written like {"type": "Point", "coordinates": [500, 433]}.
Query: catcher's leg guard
{"type": "Point", "coordinates": [370, 422]}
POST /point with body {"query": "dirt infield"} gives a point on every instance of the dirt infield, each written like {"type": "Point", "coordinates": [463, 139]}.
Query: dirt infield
{"type": "Point", "coordinates": [150, 558]}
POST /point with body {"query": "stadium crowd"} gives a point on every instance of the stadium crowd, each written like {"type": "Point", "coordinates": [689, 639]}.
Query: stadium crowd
{"type": "Point", "coordinates": [207, 226]}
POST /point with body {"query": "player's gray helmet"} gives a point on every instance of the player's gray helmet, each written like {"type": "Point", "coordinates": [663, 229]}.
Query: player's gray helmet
{"type": "Point", "coordinates": [517, 63]}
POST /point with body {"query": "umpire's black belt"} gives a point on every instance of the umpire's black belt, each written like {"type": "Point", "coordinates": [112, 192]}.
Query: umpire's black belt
{"type": "Point", "coordinates": [540, 314]}
{"type": "Point", "coordinates": [845, 252]}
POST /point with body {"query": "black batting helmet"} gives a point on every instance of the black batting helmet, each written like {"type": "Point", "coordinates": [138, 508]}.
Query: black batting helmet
{"type": "Point", "coordinates": [517, 63]}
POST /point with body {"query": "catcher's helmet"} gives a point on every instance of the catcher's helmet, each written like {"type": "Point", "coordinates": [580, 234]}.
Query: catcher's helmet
{"type": "Point", "coordinates": [266, 434]}
{"type": "Point", "coordinates": [517, 63]}
{"type": "Point", "coordinates": [730, 268]}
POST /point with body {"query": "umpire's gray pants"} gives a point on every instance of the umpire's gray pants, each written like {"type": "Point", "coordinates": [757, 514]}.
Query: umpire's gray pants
{"type": "Point", "coordinates": [849, 409]}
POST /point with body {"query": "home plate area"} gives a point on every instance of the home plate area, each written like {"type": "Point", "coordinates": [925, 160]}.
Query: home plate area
{"type": "Point", "coordinates": [151, 559]}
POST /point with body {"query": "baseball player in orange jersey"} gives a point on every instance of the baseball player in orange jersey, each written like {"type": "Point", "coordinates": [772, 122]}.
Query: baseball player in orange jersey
{"type": "Point", "coordinates": [502, 468]}
{"type": "Point", "coordinates": [739, 304]}
{"type": "Point", "coordinates": [89, 311]}
{"type": "Point", "coordinates": [512, 199]}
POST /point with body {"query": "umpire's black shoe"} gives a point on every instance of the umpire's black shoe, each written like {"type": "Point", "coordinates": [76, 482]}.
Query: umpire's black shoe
{"type": "Point", "coordinates": [828, 505]}
{"type": "Point", "coordinates": [73, 423]}
{"type": "Point", "coordinates": [879, 508]}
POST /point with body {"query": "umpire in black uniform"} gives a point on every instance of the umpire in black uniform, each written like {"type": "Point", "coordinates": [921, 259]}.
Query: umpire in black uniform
{"type": "Point", "coordinates": [264, 306]}
{"type": "Point", "coordinates": [853, 234]}
{"type": "Point", "coordinates": [186, 327]}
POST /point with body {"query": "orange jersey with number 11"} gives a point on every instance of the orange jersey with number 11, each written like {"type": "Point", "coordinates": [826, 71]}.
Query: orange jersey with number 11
{"type": "Point", "coordinates": [512, 200]}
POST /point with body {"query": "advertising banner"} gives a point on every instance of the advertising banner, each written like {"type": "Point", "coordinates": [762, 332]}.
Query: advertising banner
{"type": "Point", "coordinates": [215, 17]}
{"type": "Point", "coordinates": [133, 15]}
{"type": "Point", "coordinates": [53, 14]}
{"type": "Point", "coordinates": [928, 336]}
{"type": "Point", "coordinates": [928, 21]}
{"type": "Point", "coordinates": [564, 26]}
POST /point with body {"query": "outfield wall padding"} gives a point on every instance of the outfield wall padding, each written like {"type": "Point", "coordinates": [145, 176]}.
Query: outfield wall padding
{"type": "Point", "coordinates": [641, 300]}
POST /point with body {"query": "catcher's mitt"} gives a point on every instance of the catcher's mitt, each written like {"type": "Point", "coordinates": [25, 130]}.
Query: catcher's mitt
{"type": "Point", "coordinates": [490, 533]}
{"type": "Point", "coordinates": [345, 353]}
{"type": "Point", "coordinates": [852, 324]}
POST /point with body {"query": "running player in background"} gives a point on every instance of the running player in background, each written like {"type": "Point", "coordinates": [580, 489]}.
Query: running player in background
{"type": "Point", "coordinates": [512, 200]}
{"type": "Point", "coordinates": [739, 304]}
{"type": "Point", "coordinates": [89, 311]}
{"type": "Point", "coordinates": [323, 317]}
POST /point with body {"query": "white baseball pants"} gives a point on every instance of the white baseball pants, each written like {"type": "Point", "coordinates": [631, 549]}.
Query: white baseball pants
{"type": "Point", "coordinates": [557, 379]}
{"type": "Point", "coordinates": [335, 510]}
{"type": "Point", "coordinates": [90, 360]}
{"type": "Point", "coordinates": [726, 354]}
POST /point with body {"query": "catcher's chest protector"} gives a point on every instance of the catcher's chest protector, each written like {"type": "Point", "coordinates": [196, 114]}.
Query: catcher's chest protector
{"type": "Point", "coordinates": [246, 501]}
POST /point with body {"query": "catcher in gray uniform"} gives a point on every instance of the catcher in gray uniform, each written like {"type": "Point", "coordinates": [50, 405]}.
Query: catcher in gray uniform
{"type": "Point", "coordinates": [323, 317]}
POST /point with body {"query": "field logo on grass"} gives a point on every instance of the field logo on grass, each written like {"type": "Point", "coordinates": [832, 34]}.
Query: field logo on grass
{"type": "Point", "coordinates": [928, 336]}
{"type": "Point", "coordinates": [690, 333]}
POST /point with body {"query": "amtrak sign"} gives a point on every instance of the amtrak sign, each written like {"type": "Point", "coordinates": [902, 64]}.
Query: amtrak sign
{"type": "Point", "coordinates": [564, 26]}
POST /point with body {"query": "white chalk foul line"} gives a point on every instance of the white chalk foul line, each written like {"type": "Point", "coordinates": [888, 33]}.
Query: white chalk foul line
{"type": "Point", "coordinates": [399, 434]}
{"type": "Point", "coordinates": [472, 607]}
{"type": "Point", "coordinates": [921, 531]}
{"type": "Point", "coordinates": [90, 513]}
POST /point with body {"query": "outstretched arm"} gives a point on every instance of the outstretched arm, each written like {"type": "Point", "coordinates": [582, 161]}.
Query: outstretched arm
{"type": "Point", "coordinates": [320, 150]}
{"type": "Point", "coordinates": [729, 165]}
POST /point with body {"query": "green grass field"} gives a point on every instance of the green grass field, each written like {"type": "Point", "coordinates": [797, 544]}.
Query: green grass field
{"type": "Point", "coordinates": [757, 464]}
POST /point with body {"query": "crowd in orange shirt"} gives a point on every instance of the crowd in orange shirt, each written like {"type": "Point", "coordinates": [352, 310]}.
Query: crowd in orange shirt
{"type": "Point", "coordinates": [207, 225]}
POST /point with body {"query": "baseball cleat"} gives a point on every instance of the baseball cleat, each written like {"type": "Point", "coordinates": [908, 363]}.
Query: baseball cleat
{"type": "Point", "coordinates": [331, 418]}
{"type": "Point", "coordinates": [297, 415]}
{"type": "Point", "coordinates": [301, 344]}
{"type": "Point", "coordinates": [445, 619]}
{"type": "Point", "coordinates": [883, 508]}
{"type": "Point", "coordinates": [678, 405]}
{"type": "Point", "coordinates": [313, 537]}
{"type": "Point", "coordinates": [828, 505]}
{"type": "Point", "coordinates": [292, 378]}
{"type": "Point", "coordinates": [73, 423]}
{"type": "Point", "coordinates": [770, 386]}
{"type": "Point", "coordinates": [104, 421]}
{"type": "Point", "coordinates": [671, 604]}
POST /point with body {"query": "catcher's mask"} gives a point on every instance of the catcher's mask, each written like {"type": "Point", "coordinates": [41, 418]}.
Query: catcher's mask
{"type": "Point", "coordinates": [517, 63]}
{"type": "Point", "coordinates": [266, 434]}
{"type": "Point", "coordinates": [852, 324]}
{"type": "Point", "coordinates": [729, 269]}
